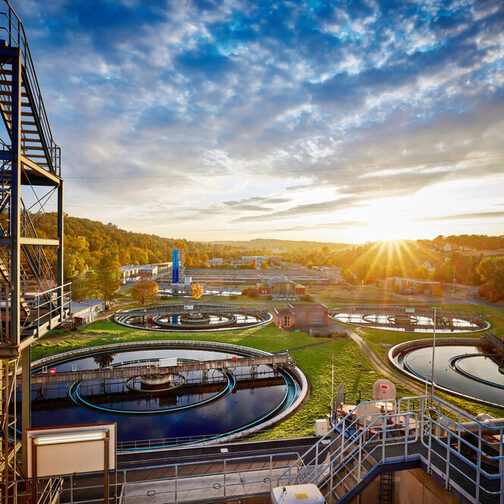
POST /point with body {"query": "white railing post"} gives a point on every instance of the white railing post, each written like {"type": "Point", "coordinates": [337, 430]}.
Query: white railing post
{"type": "Point", "coordinates": [459, 433]}
{"type": "Point", "coordinates": [331, 482]}
{"type": "Point", "coordinates": [271, 472]}
{"type": "Point", "coordinates": [176, 483]}
{"type": "Point", "coordinates": [429, 471]}
{"type": "Point", "coordinates": [447, 479]}
{"type": "Point", "coordinates": [406, 434]}
{"type": "Point", "coordinates": [342, 447]}
{"type": "Point", "coordinates": [478, 475]}
{"type": "Point", "coordinates": [225, 469]}
{"type": "Point", "coordinates": [359, 470]}
{"type": "Point", "coordinates": [501, 471]}
{"type": "Point", "coordinates": [384, 436]}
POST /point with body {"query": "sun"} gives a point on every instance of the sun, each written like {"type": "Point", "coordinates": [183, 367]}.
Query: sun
{"type": "Point", "coordinates": [385, 220]}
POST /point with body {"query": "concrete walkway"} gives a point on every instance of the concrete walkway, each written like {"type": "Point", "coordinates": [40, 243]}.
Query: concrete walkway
{"type": "Point", "coordinates": [198, 488]}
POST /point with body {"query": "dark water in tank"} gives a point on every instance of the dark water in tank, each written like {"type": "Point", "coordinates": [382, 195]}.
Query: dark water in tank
{"type": "Point", "coordinates": [465, 369]}
{"type": "Point", "coordinates": [229, 411]}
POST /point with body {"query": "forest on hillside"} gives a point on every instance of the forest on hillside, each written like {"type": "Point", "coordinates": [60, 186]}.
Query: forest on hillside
{"type": "Point", "coordinates": [468, 259]}
{"type": "Point", "coordinates": [87, 241]}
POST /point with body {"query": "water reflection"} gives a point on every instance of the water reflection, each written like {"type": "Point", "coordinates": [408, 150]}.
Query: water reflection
{"type": "Point", "coordinates": [112, 402]}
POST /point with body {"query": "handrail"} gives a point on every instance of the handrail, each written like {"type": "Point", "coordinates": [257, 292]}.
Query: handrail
{"type": "Point", "coordinates": [359, 437]}
{"type": "Point", "coordinates": [17, 38]}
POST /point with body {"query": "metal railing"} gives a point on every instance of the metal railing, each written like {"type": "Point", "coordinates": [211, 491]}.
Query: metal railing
{"type": "Point", "coordinates": [460, 437]}
{"type": "Point", "coordinates": [16, 36]}
{"type": "Point", "coordinates": [466, 454]}
{"type": "Point", "coordinates": [266, 434]}
{"type": "Point", "coordinates": [49, 307]}
{"type": "Point", "coordinates": [189, 481]}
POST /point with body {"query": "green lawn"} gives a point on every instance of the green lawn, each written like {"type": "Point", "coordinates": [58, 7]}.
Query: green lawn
{"type": "Point", "coordinates": [349, 365]}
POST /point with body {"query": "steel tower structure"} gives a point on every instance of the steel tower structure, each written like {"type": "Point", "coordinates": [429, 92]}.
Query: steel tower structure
{"type": "Point", "coordinates": [33, 297]}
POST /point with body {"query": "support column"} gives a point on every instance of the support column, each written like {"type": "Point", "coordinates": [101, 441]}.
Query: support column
{"type": "Point", "coordinates": [60, 273]}
{"type": "Point", "coordinates": [25, 403]}
{"type": "Point", "coordinates": [14, 221]}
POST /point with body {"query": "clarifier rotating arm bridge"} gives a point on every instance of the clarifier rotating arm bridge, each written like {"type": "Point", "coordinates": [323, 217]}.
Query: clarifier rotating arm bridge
{"type": "Point", "coordinates": [193, 317]}
{"type": "Point", "coordinates": [156, 370]}
{"type": "Point", "coordinates": [415, 320]}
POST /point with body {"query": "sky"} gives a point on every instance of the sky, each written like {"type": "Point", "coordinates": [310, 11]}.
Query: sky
{"type": "Point", "coordinates": [304, 120]}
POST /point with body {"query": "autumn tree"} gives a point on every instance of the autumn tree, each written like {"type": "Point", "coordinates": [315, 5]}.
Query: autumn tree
{"type": "Point", "coordinates": [491, 271]}
{"type": "Point", "coordinates": [144, 290]}
{"type": "Point", "coordinates": [107, 277]}
{"type": "Point", "coordinates": [196, 290]}
{"type": "Point", "coordinates": [83, 286]}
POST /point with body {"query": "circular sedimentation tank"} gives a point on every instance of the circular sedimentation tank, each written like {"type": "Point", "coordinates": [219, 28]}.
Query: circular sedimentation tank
{"type": "Point", "coordinates": [182, 407]}
{"type": "Point", "coordinates": [461, 366]}
{"type": "Point", "coordinates": [193, 317]}
{"type": "Point", "coordinates": [414, 320]}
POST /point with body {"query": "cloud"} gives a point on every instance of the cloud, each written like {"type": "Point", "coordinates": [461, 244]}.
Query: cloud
{"type": "Point", "coordinates": [326, 226]}
{"type": "Point", "coordinates": [322, 207]}
{"type": "Point", "coordinates": [212, 109]}
{"type": "Point", "coordinates": [464, 216]}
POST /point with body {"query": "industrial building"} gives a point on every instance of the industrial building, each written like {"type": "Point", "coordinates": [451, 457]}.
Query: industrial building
{"type": "Point", "coordinates": [281, 289]}
{"type": "Point", "coordinates": [86, 311]}
{"type": "Point", "coordinates": [301, 316]}
{"type": "Point", "coordinates": [412, 286]}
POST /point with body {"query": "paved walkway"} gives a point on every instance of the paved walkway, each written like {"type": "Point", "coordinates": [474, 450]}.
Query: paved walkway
{"type": "Point", "coordinates": [197, 488]}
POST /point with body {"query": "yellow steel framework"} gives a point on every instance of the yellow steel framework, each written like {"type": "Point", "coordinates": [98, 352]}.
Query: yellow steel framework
{"type": "Point", "coordinates": [33, 298]}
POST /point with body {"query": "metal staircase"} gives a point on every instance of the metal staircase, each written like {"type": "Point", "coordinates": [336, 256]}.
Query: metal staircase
{"type": "Point", "coordinates": [33, 297]}
{"type": "Point", "coordinates": [30, 164]}
{"type": "Point", "coordinates": [461, 453]}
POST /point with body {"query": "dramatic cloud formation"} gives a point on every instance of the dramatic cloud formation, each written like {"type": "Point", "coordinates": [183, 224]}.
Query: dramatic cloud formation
{"type": "Point", "coordinates": [300, 120]}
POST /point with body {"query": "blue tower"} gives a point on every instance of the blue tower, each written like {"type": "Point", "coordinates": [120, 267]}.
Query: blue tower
{"type": "Point", "coordinates": [175, 266]}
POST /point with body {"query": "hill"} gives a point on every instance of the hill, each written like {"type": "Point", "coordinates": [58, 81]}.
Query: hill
{"type": "Point", "coordinates": [284, 245]}
{"type": "Point", "coordinates": [87, 241]}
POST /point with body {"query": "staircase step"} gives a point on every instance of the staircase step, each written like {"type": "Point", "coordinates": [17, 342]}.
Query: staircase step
{"type": "Point", "coordinates": [9, 93]}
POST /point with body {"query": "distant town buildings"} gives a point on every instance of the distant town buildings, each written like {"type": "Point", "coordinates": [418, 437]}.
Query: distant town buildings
{"type": "Point", "coordinates": [216, 261]}
{"type": "Point", "coordinates": [132, 273]}
{"type": "Point", "coordinates": [281, 290]}
{"type": "Point", "coordinates": [411, 286]}
{"type": "Point", "coordinates": [258, 261]}
{"type": "Point", "coordinates": [85, 312]}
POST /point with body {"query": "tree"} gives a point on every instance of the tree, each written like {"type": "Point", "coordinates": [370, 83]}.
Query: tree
{"type": "Point", "coordinates": [108, 274]}
{"type": "Point", "coordinates": [490, 292]}
{"type": "Point", "coordinates": [196, 290]}
{"type": "Point", "coordinates": [144, 290]}
{"type": "Point", "coordinates": [83, 286]}
{"type": "Point", "coordinates": [491, 270]}
{"type": "Point", "coordinates": [264, 265]}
